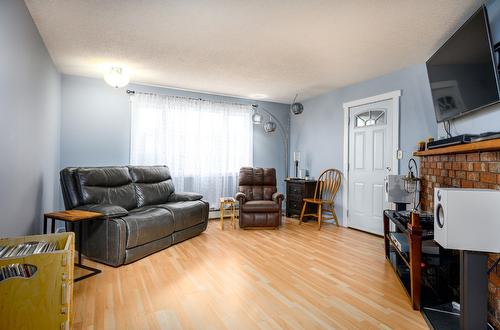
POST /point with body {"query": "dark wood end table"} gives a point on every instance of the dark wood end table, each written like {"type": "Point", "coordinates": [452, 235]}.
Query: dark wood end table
{"type": "Point", "coordinates": [73, 217]}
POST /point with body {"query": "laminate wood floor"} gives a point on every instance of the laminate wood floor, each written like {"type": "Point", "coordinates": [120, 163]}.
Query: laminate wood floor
{"type": "Point", "coordinates": [294, 278]}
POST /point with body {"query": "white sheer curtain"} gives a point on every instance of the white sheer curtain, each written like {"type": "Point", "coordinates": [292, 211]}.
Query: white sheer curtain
{"type": "Point", "coordinates": [204, 143]}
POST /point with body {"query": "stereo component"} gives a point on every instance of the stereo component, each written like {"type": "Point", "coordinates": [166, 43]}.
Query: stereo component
{"type": "Point", "coordinates": [467, 219]}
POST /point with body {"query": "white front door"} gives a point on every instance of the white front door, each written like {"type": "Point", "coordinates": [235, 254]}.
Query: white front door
{"type": "Point", "coordinates": [370, 159]}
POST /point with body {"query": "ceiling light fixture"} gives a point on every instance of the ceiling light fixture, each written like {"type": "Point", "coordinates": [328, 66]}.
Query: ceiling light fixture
{"type": "Point", "coordinates": [116, 77]}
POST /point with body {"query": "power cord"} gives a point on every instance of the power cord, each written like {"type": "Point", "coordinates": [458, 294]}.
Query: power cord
{"type": "Point", "coordinates": [495, 264]}
{"type": "Point", "coordinates": [447, 129]}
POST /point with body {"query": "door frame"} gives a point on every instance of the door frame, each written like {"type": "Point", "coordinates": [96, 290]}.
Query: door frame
{"type": "Point", "coordinates": [395, 96]}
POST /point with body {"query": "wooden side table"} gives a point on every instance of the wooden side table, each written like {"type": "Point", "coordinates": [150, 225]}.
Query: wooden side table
{"type": "Point", "coordinates": [72, 217]}
{"type": "Point", "coordinates": [232, 203]}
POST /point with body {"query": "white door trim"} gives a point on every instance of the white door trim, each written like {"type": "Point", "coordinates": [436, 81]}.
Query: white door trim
{"type": "Point", "coordinates": [395, 96]}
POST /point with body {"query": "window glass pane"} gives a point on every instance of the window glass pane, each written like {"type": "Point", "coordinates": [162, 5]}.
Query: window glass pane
{"type": "Point", "coordinates": [370, 118]}
{"type": "Point", "coordinates": [381, 119]}
{"type": "Point", "coordinates": [359, 122]}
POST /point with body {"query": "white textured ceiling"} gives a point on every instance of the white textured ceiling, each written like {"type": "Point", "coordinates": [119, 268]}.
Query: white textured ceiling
{"type": "Point", "coordinates": [246, 47]}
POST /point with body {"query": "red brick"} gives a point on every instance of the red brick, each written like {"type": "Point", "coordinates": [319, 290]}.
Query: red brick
{"type": "Point", "coordinates": [473, 157]}
{"type": "Point", "coordinates": [461, 158]}
{"type": "Point", "coordinates": [455, 183]}
{"type": "Point", "coordinates": [447, 165]}
{"type": "Point", "coordinates": [494, 167]}
{"type": "Point", "coordinates": [480, 167]}
{"type": "Point", "coordinates": [488, 177]}
{"type": "Point", "coordinates": [488, 156]}
{"type": "Point", "coordinates": [494, 279]}
{"type": "Point", "coordinates": [467, 184]}
{"type": "Point", "coordinates": [447, 181]}
{"type": "Point", "coordinates": [440, 165]}
{"type": "Point", "coordinates": [467, 166]}
{"type": "Point", "coordinates": [451, 158]}
{"type": "Point", "coordinates": [432, 165]}
{"type": "Point", "coordinates": [443, 173]}
{"type": "Point", "coordinates": [443, 158]}
{"type": "Point", "coordinates": [481, 185]}
{"type": "Point", "coordinates": [473, 176]}
{"type": "Point", "coordinates": [460, 174]}
{"type": "Point", "coordinates": [451, 174]}
{"type": "Point", "coordinates": [494, 186]}
{"type": "Point", "coordinates": [439, 180]}
{"type": "Point", "coordinates": [433, 178]}
{"type": "Point", "coordinates": [457, 166]}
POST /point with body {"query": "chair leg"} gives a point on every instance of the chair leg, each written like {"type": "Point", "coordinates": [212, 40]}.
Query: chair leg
{"type": "Point", "coordinates": [233, 216]}
{"type": "Point", "coordinates": [302, 213]}
{"type": "Point", "coordinates": [221, 212]}
{"type": "Point", "coordinates": [334, 215]}
{"type": "Point", "coordinates": [319, 216]}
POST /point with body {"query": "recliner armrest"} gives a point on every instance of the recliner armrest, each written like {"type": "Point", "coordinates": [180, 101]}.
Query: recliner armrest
{"type": "Point", "coordinates": [278, 197]}
{"type": "Point", "coordinates": [108, 210]}
{"type": "Point", "coordinates": [184, 197]}
{"type": "Point", "coordinates": [240, 197]}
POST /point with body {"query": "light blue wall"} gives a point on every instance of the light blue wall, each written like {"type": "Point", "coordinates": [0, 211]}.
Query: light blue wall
{"type": "Point", "coordinates": [96, 124]}
{"type": "Point", "coordinates": [29, 123]}
{"type": "Point", "coordinates": [318, 133]}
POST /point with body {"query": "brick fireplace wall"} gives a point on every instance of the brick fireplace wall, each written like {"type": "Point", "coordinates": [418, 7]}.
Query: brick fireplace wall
{"type": "Point", "coordinates": [468, 170]}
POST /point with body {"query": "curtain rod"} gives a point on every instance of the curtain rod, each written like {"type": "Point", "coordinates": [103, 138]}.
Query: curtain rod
{"type": "Point", "coordinates": [133, 92]}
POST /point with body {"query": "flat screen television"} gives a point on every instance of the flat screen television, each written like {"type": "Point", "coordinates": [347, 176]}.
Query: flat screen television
{"type": "Point", "coordinates": [462, 73]}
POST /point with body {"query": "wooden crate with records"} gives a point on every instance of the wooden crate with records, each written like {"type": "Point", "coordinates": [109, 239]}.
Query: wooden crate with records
{"type": "Point", "coordinates": [36, 281]}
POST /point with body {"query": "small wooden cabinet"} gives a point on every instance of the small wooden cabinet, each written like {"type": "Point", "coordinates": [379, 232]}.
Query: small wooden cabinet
{"type": "Point", "coordinates": [296, 191]}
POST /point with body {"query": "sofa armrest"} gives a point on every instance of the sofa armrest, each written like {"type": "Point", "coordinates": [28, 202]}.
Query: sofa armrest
{"type": "Point", "coordinates": [184, 197]}
{"type": "Point", "coordinates": [108, 210]}
{"type": "Point", "coordinates": [278, 197]}
{"type": "Point", "coordinates": [241, 197]}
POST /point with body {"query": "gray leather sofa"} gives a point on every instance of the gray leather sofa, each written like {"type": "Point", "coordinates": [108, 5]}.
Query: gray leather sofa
{"type": "Point", "coordinates": [142, 212]}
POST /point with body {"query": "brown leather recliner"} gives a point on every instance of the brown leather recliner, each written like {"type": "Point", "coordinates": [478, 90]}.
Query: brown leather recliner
{"type": "Point", "coordinates": [260, 201]}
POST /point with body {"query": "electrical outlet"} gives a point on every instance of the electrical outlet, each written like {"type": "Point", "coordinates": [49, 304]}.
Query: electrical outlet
{"type": "Point", "coordinates": [400, 154]}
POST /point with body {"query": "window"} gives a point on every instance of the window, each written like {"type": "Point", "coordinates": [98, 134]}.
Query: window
{"type": "Point", "coordinates": [370, 118]}
{"type": "Point", "coordinates": [204, 143]}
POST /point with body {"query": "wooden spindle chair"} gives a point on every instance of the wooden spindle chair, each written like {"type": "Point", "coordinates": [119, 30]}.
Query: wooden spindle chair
{"type": "Point", "coordinates": [324, 196]}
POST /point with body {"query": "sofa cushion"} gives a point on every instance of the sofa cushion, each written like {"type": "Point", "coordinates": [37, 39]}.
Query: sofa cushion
{"type": "Point", "coordinates": [106, 185]}
{"type": "Point", "coordinates": [153, 184]}
{"type": "Point", "coordinates": [186, 214]}
{"type": "Point", "coordinates": [260, 207]}
{"type": "Point", "coordinates": [148, 224]}
{"type": "Point", "coordinates": [69, 187]}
